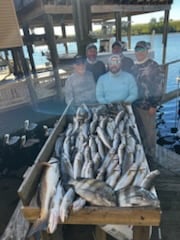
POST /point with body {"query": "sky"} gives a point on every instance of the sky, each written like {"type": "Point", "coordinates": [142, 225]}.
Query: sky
{"type": "Point", "coordinates": [145, 18]}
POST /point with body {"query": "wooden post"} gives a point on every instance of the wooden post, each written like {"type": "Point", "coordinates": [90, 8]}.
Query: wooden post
{"type": "Point", "coordinates": [58, 234]}
{"type": "Point", "coordinates": [118, 25]}
{"type": "Point", "coordinates": [129, 32]}
{"type": "Point", "coordinates": [28, 43]}
{"type": "Point", "coordinates": [140, 233]}
{"type": "Point", "coordinates": [100, 234]}
{"type": "Point", "coordinates": [165, 33]}
{"type": "Point", "coordinates": [82, 23]}
{"type": "Point", "coordinates": [17, 65]}
{"type": "Point", "coordinates": [53, 52]}
{"type": "Point", "coordinates": [63, 28]}
{"type": "Point", "coordinates": [28, 78]}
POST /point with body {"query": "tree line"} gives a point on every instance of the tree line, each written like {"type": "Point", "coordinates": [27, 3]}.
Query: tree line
{"type": "Point", "coordinates": [153, 25]}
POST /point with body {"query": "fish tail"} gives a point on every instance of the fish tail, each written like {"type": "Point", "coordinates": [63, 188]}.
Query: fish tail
{"type": "Point", "coordinates": [38, 225]}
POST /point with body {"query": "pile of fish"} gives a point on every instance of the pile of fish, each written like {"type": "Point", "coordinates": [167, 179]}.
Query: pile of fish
{"type": "Point", "coordinates": [98, 160]}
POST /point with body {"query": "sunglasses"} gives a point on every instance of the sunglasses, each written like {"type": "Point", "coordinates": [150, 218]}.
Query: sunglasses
{"type": "Point", "coordinates": [140, 49]}
{"type": "Point", "coordinates": [114, 61]}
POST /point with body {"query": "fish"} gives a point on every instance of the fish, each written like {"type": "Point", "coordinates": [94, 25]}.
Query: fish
{"type": "Point", "coordinates": [141, 174]}
{"type": "Point", "coordinates": [93, 124]}
{"type": "Point", "coordinates": [131, 144]}
{"type": "Point", "coordinates": [104, 137]}
{"type": "Point", "coordinates": [77, 164]}
{"type": "Point", "coordinates": [54, 209]}
{"type": "Point", "coordinates": [89, 171]}
{"type": "Point", "coordinates": [93, 146]}
{"type": "Point", "coordinates": [84, 128]}
{"type": "Point", "coordinates": [119, 117]}
{"type": "Point", "coordinates": [94, 191]}
{"type": "Point", "coordinates": [78, 204]}
{"type": "Point", "coordinates": [96, 162]}
{"type": "Point", "coordinates": [116, 141]}
{"type": "Point", "coordinates": [66, 169]}
{"type": "Point", "coordinates": [111, 166]}
{"type": "Point", "coordinates": [100, 147]}
{"type": "Point", "coordinates": [147, 182]}
{"type": "Point", "coordinates": [75, 125]}
{"type": "Point", "coordinates": [59, 144]}
{"type": "Point", "coordinates": [103, 122]}
{"type": "Point", "coordinates": [136, 196]}
{"type": "Point", "coordinates": [113, 178]}
{"type": "Point", "coordinates": [88, 111]}
{"type": "Point", "coordinates": [128, 177]}
{"type": "Point", "coordinates": [66, 204]}
{"type": "Point", "coordinates": [48, 185]}
{"type": "Point", "coordinates": [67, 147]}
{"type": "Point", "coordinates": [80, 113]}
{"type": "Point", "coordinates": [69, 129]}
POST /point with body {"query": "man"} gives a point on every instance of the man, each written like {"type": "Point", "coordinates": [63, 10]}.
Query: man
{"type": "Point", "coordinates": [116, 85]}
{"type": "Point", "coordinates": [92, 64]}
{"type": "Point", "coordinates": [80, 86]}
{"type": "Point", "coordinates": [127, 63]}
{"type": "Point", "coordinates": [149, 77]}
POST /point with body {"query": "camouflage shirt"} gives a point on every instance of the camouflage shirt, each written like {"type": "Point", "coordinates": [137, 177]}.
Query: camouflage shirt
{"type": "Point", "coordinates": [149, 77]}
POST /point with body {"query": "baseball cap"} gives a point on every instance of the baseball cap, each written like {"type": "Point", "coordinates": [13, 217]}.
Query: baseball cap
{"type": "Point", "coordinates": [79, 60]}
{"type": "Point", "coordinates": [141, 45]}
{"type": "Point", "coordinates": [117, 43]}
{"type": "Point", "coordinates": [114, 59]}
{"type": "Point", "coordinates": [91, 45]}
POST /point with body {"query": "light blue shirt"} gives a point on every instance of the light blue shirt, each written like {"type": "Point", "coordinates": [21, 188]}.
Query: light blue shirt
{"type": "Point", "coordinates": [119, 87]}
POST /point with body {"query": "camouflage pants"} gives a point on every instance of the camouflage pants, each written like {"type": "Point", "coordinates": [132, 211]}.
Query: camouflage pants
{"type": "Point", "coordinates": [147, 130]}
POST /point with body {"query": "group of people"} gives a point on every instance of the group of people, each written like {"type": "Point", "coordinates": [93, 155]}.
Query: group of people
{"type": "Point", "coordinates": [123, 80]}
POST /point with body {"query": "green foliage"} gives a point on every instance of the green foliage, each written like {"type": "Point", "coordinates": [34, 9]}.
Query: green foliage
{"type": "Point", "coordinates": [157, 26]}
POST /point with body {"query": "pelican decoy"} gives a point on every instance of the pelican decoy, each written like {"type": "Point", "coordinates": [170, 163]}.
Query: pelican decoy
{"type": "Point", "coordinates": [11, 140]}
{"type": "Point", "coordinates": [29, 149]}
{"type": "Point", "coordinates": [47, 130]}
{"type": "Point", "coordinates": [29, 126]}
{"type": "Point", "coordinates": [26, 143]}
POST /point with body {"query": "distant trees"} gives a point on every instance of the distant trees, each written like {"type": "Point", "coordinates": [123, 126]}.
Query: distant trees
{"type": "Point", "coordinates": [157, 26]}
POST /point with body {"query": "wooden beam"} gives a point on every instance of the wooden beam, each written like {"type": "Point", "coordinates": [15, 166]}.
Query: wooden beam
{"type": "Point", "coordinates": [129, 8]}
{"type": "Point", "coordinates": [140, 233]}
{"type": "Point", "coordinates": [105, 215]}
{"type": "Point", "coordinates": [165, 33]}
{"type": "Point", "coordinates": [58, 9]}
{"type": "Point", "coordinates": [51, 42]}
{"type": "Point", "coordinates": [118, 25]}
{"type": "Point", "coordinates": [170, 95]}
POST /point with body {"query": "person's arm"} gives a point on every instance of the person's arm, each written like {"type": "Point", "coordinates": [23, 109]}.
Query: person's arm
{"type": "Point", "coordinates": [100, 95]}
{"type": "Point", "coordinates": [68, 91]}
{"type": "Point", "coordinates": [157, 79]}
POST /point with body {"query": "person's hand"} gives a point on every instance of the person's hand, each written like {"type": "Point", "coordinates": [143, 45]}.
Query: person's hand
{"type": "Point", "coordinates": [152, 111]}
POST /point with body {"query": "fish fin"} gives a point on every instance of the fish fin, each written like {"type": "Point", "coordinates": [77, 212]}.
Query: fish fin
{"type": "Point", "coordinates": [37, 226]}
